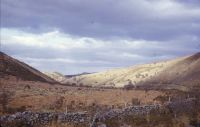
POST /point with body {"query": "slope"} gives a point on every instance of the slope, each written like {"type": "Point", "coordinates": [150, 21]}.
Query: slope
{"type": "Point", "coordinates": [13, 67]}
{"type": "Point", "coordinates": [184, 71]}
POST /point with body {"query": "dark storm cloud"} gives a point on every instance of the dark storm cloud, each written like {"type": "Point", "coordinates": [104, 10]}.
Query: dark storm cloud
{"type": "Point", "coordinates": [146, 19]}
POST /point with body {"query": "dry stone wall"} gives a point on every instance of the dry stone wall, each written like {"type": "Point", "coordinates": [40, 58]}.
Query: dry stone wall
{"type": "Point", "coordinates": [132, 110]}
{"type": "Point", "coordinates": [38, 118]}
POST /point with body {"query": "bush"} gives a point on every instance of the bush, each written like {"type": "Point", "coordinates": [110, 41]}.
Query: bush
{"type": "Point", "coordinates": [73, 84]}
{"type": "Point", "coordinates": [129, 87]}
{"type": "Point", "coordinates": [81, 84]}
{"type": "Point", "coordinates": [135, 101]}
{"type": "Point", "coordinates": [27, 87]}
{"type": "Point", "coordinates": [4, 99]}
{"type": "Point", "coordinates": [162, 99]}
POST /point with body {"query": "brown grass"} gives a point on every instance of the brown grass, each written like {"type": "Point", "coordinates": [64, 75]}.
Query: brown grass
{"type": "Point", "coordinates": [44, 97]}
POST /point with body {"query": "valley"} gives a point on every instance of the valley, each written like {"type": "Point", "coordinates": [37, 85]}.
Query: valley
{"type": "Point", "coordinates": [27, 91]}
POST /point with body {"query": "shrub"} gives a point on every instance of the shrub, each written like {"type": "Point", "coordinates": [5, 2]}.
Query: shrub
{"type": "Point", "coordinates": [129, 86]}
{"type": "Point", "coordinates": [81, 84]}
{"type": "Point", "coordinates": [135, 101]}
{"type": "Point", "coordinates": [4, 99]}
{"type": "Point", "coordinates": [162, 99]}
{"type": "Point", "coordinates": [73, 84]}
{"type": "Point", "coordinates": [27, 87]}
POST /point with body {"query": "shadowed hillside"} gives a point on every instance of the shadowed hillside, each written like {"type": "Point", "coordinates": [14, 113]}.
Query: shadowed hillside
{"type": "Point", "coordinates": [185, 72]}
{"type": "Point", "coordinates": [12, 67]}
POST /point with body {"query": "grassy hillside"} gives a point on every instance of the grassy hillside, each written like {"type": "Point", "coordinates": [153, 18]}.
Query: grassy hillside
{"type": "Point", "coordinates": [13, 67]}
{"type": "Point", "coordinates": [183, 71]}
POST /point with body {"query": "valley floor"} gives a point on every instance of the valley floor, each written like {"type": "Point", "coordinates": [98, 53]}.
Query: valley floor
{"type": "Point", "coordinates": [20, 96]}
{"type": "Point", "coordinates": [37, 96]}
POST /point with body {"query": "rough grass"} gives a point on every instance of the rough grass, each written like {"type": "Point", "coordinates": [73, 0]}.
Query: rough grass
{"type": "Point", "coordinates": [47, 97]}
{"type": "Point", "coordinates": [57, 98]}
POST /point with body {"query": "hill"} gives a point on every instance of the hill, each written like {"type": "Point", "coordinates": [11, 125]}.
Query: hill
{"type": "Point", "coordinates": [56, 76]}
{"type": "Point", "coordinates": [180, 72]}
{"type": "Point", "coordinates": [70, 76]}
{"type": "Point", "coordinates": [13, 67]}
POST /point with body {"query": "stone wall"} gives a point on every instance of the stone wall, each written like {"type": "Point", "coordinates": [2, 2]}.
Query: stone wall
{"type": "Point", "coordinates": [37, 118]}
{"type": "Point", "coordinates": [132, 110]}
{"type": "Point", "coordinates": [176, 106]}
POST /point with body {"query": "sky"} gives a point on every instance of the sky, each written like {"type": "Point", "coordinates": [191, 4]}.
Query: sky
{"type": "Point", "coordinates": [75, 36]}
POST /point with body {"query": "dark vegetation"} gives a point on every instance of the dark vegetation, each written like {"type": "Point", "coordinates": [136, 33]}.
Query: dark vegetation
{"type": "Point", "coordinates": [13, 67]}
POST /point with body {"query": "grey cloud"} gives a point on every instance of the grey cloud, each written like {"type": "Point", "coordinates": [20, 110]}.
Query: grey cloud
{"type": "Point", "coordinates": [109, 56]}
{"type": "Point", "coordinates": [175, 30]}
{"type": "Point", "coordinates": [100, 19]}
